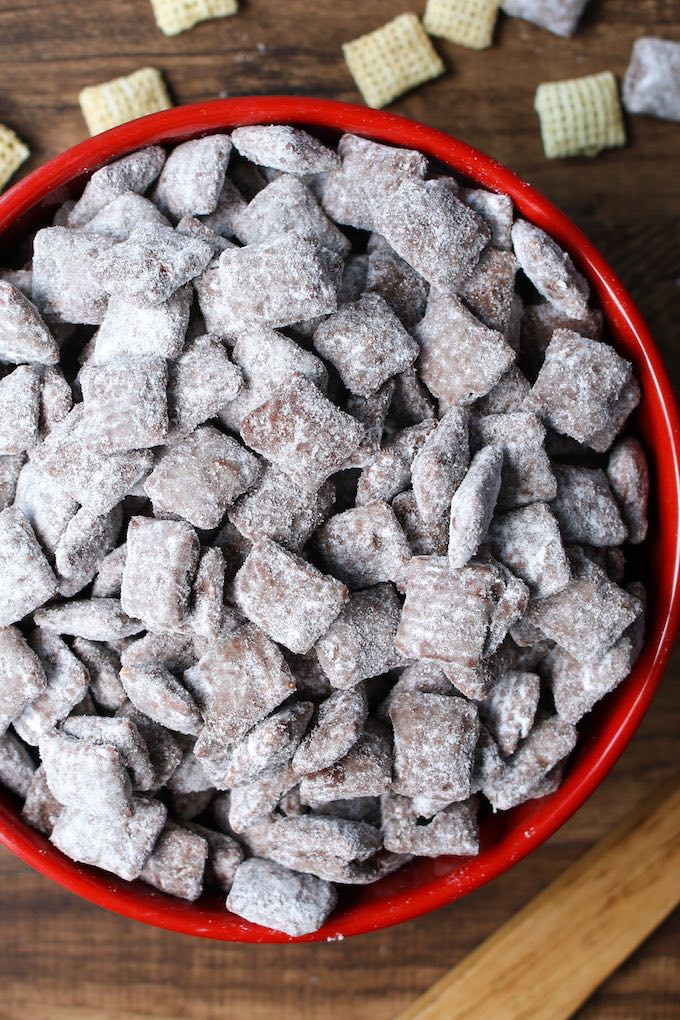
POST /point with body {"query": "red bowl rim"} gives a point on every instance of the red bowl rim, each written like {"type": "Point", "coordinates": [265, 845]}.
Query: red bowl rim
{"type": "Point", "coordinates": [183, 122]}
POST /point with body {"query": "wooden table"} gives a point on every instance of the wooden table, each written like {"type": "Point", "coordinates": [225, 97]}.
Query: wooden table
{"type": "Point", "coordinates": [62, 958]}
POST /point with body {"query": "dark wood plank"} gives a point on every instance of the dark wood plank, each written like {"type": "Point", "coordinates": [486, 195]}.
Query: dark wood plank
{"type": "Point", "coordinates": [64, 959]}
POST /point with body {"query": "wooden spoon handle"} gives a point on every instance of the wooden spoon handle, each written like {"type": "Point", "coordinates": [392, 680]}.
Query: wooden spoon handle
{"type": "Point", "coordinates": [546, 960]}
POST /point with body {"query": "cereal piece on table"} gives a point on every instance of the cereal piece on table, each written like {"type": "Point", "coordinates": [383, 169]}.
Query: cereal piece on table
{"type": "Point", "coordinates": [489, 291]}
{"type": "Point", "coordinates": [131, 173]}
{"type": "Point", "coordinates": [26, 578]}
{"type": "Point", "coordinates": [153, 690]}
{"type": "Point", "coordinates": [529, 542]}
{"type": "Point", "coordinates": [434, 742]}
{"type": "Point", "coordinates": [365, 546]}
{"type": "Point", "coordinates": [577, 687]}
{"type": "Point", "coordinates": [64, 283]}
{"type": "Point", "coordinates": [268, 894]}
{"type": "Point", "coordinates": [451, 831]}
{"type": "Point", "coordinates": [16, 765]}
{"type": "Point", "coordinates": [41, 808]}
{"type": "Point", "coordinates": [360, 642]}
{"type": "Point", "coordinates": [85, 775]}
{"type": "Point", "coordinates": [507, 395]}
{"type": "Point", "coordinates": [292, 601]}
{"type": "Point", "coordinates": [97, 481]}
{"type": "Point", "coordinates": [321, 844]}
{"type": "Point", "coordinates": [252, 801]}
{"type": "Point", "coordinates": [365, 771]}
{"type": "Point", "coordinates": [161, 561]}
{"type": "Point", "coordinates": [558, 16]}
{"type": "Point", "coordinates": [67, 684]}
{"type": "Point", "coordinates": [390, 472]}
{"type": "Point", "coordinates": [404, 290]}
{"type": "Point", "coordinates": [266, 358]}
{"type": "Point", "coordinates": [466, 22]}
{"type": "Point", "coordinates": [247, 678]}
{"type": "Point", "coordinates": [94, 619]}
{"type": "Point", "coordinates": [277, 509]}
{"type": "Point", "coordinates": [122, 99]}
{"type": "Point", "coordinates": [19, 410]}
{"type": "Point", "coordinates": [199, 477]}
{"type": "Point", "coordinates": [302, 432]}
{"type": "Point", "coordinates": [629, 479]}
{"type": "Point", "coordinates": [353, 193]}
{"type": "Point", "coordinates": [411, 403]}
{"type": "Point", "coordinates": [510, 709]}
{"type": "Point", "coordinates": [192, 177]}
{"type": "Point", "coordinates": [550, 269]}
{"type": "Point", "coordinates": [392, 60]}
{"type": "Point", "coordinates": [103, 665]}
{"type": "Point", "coordinates": [432, 230]}
{"type": "Point", "coordinates": [422, 539]}
{"type": "Point", "coordinates": [205, 610]}
{"type": "Point", "coordinates": [177, 862]}
{"type": "Point", "coordinates": [269, 744]}
{"type": "Point", "coordinates": [461, 359]}
{"type": "Point", "coordinates": [496, 210]}
{"type": "Point", "coordinates": [120, 733]}
{"type": "Point", "coordinates": [84, 543]}
{"type": "Point", "coordinates": [10, 469]}
{"type": "Point", "coordinates": [585, 507]}
{"type": "Point", "coordinates": [547, 744]}
{"type": "Point", "coordinates": [288, 206]}
{"type": "Point", "coordinates": [285, 148]}
{"type": "Point", "coordinates": [175, 16]}
{"type": "Point", "coordinates": [366, 343]}
{"type": "Point", "coordinates": [13, 153]}
{"type": "Point", "coordinates": [131, 330]}
{"type": "Point", "coordinates": [473, 505]}
{"type": "Point", "coordinates": [439, 467]}
{"type": "Point", "coordinates": [581, 116]}
{"type": "Point", "coordinates": [115, 843]}
{"type": "Point", "coordinates": [109, 576]}
{"type": "Point", "coordinates": [584, 390]}
{"type": "Point", "coordinates": [200, 382]}
{"type": "Point", "coordinates": [527, 475]}
{"type": "Point", "coordinates": [124, 214]}
{"type": "Point", "coordinates": [22, 677]}
{"type": "Point", "coordinates": [24, 337]}
{"type": "Point", "coordinates": [588, 616]}
{"type": "Point", "coordinates": [276, 284]}
{"type": "Point", "coordinates": [652, 81]}
{"type": "Point", "coordinates": [151, 264]}
{"type": "Point", "coordinates": [337, 725]}
{"type": "Point", "coordinates": [224, 857]}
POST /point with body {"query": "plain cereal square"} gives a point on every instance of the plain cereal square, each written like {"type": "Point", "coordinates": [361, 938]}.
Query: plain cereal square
{"type": "Point", "coordinates": [466, 22]}
{"type": "Point", "coordinates": [292, 601]}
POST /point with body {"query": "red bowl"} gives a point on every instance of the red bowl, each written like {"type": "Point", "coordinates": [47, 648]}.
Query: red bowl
{"type": "Point", "coordinates": [505, 838]}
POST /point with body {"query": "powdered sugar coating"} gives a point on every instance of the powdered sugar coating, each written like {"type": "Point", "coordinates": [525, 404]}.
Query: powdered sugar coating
{"type": "Point", "coordinates": [154, 691]}
{"type": "Point", "coordinates": [132, 330]}
{"type": "Point", "coordinates": [527, 474]}
{"type": "Point", "coordinates": [389, 473]}
{"type": "Point", "coordinates": [510, 709]}
{"type": "Point", "coordinates": [19, 410]}
{"type": "Point", "coordinates": [85, 541]}
{"type": "Point", "coordinates": [403, 289]}
{"type": "Point", "coordinates": [284, 148]}
{"type": "Point", "coordinates": [548, 743]}
{"type": "Point", "coordinates": [277, 509]}
{"type": "Point", "coordinates": [41, 809]}
{"type": "Point", "coordinates": [366, 342]}
{"type": "Point", "coordinates": [24, 336]}
{"type": "Point", "coordinates": [529, 542]}
{"type": "Point", "coordinates": [336, 727]}
{"type": "Point", "coordinates": [461, 359]}
{"type": "Point", "coordinates": [490, 288]}
{"type": "Point", "coordinates": [629, 479]}
{"type": "Point", "coordinates": [161, 560]}
{"type": "Point", "coordinates": [200, 382]}
{"type": "Point", "coordinates": [558, 16]}
{"type": "Point", "coordinates": [365, 771]}
{"type": "Point", "coordinates": [451, 831]}
{"type": "Point", "coordinates": [365, 546]}
{"type": "Point", "coordinates": [473, 505]}
{"type": "Point", "coordinates": [651, 84]}
{"type": "Point", "coordinates": [496, 210]}
{"type": "Point", "coordinates": [585, 507]}
{"type": "Point", "coordinates": [360, 642]}
{"type": "Point", "coordinates": [439, 467]}
{"type": "Point", "coordinates": [288, 206]}
{"type": "Point", "coordinates": [86, 775]}
{"type": "Point", "coordinates": [26, 579]}
{"type": "Point", "coordinates": [122, 215]}
{"type": "Point", "coordinates": [550, 269]}
{"type": "Point", "coordinates": [192, 177]}
{"type": "Point", "coordinates": [271, 895]}
{"type": "Point", "coordinates": [65, 282]}
{"type": "Point", "coordinates": [292, 601]}
{"type": "Point", "coordinates": [94, 619]}
{"type": "Point", "coordinates": [67, 683]}
{"type": "Point", "coordinates": [16, 765]}
{"type": "Point", "coordinates": [131, 173]}
{"type": "Point", "coordinates": [22, 676]}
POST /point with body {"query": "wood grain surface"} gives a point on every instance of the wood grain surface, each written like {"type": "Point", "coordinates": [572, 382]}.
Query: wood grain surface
{"type": "Point", "coordinates": [63, 959]}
